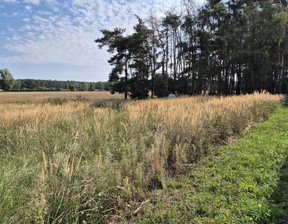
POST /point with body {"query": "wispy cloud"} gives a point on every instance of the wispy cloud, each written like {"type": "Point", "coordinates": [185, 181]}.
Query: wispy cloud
{"type": "Point", "coordinates": [11, 1]}
{"type": "Point", "coordinates": [28, 7]}
{"type": "Point", "coordinates": [36, 2]}
{"type": "Point", "coordinates": [64, 32]}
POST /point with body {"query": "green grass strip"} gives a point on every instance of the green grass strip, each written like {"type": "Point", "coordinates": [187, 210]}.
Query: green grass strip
{"type": "Point", "coordinates": [246, 182]}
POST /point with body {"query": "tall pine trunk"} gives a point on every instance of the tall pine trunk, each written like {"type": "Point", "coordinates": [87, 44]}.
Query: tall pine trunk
{"type": "Point", "coordinates": [126, 79]}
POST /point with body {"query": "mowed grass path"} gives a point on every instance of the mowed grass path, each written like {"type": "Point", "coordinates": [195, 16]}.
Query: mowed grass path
{"type": "Point", "coordinates": [246, 182]}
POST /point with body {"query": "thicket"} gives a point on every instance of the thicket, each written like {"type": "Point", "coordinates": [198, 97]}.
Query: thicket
{"type": "Point", "coordinates": [73, 162]}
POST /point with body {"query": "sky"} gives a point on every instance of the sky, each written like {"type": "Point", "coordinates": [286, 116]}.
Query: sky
{"type": "Point", "coordinates": [54, 39]}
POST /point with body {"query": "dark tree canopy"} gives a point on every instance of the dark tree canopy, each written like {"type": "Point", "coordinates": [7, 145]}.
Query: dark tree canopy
{"type": "Point", "coordinates": [6, 79]}
{"type": "Point", "coordinates": [223, 48]}
{"type": "Point", "coordinates": [56, 85]}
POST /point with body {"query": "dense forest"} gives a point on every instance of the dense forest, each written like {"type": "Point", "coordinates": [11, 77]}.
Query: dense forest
{"type": "Point", "coordinates": [8, 83]}
{"type": "Point", "coordinates": [220, 48]}
{"type": "Point", "coordinates": [54, 85]}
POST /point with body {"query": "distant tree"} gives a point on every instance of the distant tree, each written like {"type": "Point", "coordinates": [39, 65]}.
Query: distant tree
{"type": "Point", "coordinates": [7, 81]}
{"type": "Point", "coordinates": [100, 86]}
{"type": "Point", "coordinates": [72, 87]}
{"type": "Point", "coordinates": [17, 85]}
{"type": "Point", "coordinates": [53, 85]}
{"type": "Point", "coordinates": [85, 86]}
{"type": "Point", "coordinates": [92, 86]}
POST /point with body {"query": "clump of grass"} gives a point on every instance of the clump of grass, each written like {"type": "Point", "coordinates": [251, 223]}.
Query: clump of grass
{"type": "Point", "coordinates": [80, 98]}
{"type": "Point", "coordinates": [114, 104]}
{"type": "Point", "coordinates": [55, 101]}
{"type": "Point", "coordinates": [89, 162]}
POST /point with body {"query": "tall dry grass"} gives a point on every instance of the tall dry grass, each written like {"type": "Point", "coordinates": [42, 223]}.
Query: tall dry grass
{"type": "Point", "coordinates": [74, 162]}
{"type": "Point", "coordinates": [201, 121]}
{"type": "Point", "coordinates": [36, 114]}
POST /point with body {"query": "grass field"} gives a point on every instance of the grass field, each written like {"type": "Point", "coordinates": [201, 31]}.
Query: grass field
{"type": "Point", "coordinates": [246, 182]}
{"type": "Point", "coordinates": [79, 161]}
{"type": "Point", "coordinates": [39, 96]}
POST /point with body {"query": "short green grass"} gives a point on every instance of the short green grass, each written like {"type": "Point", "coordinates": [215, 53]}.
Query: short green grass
{"type": "Point", "coordinates": [246, 182]}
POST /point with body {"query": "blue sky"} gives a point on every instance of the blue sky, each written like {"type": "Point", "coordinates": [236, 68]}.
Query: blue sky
{"type": "Point", "coordinates": [54, 39]}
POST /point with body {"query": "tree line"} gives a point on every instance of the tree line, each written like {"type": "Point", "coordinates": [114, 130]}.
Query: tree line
{"type": "Point", "coordinates": [221, 48]}
{"type": "Point", "coordinates": [8, 83]}
{"type": "Point", "coordinates": [54, 85]}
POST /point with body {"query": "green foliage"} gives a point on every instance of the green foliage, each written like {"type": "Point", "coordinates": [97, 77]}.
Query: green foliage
{"type": "Point", "coordinates": [72, 87]}
{"type": "Point", "coordinates": [100, 86]}
{"type": "Point", "coordinates": [86, 86]}
{"type": "Point", "coordinates": [222, 48]}
{"type": "Point", "coordinates": [91, 87]}
{"type": "Point", "coordinates": [133, 55]}
{"type": "Point", "coordinates": [17, 85]}
{"type": "Point", "coordinates": [7, 81]}
{"type": "Point", "coordinates": [54, 85]}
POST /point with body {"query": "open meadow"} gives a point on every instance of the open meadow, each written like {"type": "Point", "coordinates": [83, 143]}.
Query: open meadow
{"type": "Point", "coordinates": [78, 161]}
{"type": "Point", "coordinates": [67, 95]}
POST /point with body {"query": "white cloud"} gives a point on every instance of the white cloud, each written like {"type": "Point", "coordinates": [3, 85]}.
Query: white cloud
{"type": "Point", "coordinates": [56, 9]}
{"type": "Point", "coordinates": [26, 19]}
{"type": "Point", "coordinates": [52, 2]}
{"type": "Point", "coordinates": [66, 32]}
{"type": "Point", "coordinates": [28, 7]}
{"type": "Point", "coordinates": [11, 1]}
{"type": "Point", "coordinates": [35, 2]}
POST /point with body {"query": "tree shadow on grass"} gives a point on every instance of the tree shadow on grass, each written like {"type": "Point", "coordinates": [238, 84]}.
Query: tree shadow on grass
{"type": "Point", "coordinates": [285, 100]}
{"type": "Point", "coordinates": [279, 199]}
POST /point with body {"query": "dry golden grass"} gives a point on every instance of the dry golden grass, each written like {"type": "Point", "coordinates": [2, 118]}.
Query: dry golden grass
{"type": "Point", "coordinates": [36, 114]}
{"type": "Point", "coordinates": [38, 96]}
{"type": "Point", "coordinates": [200, 121]}
{"type": "Point", "coordinates": [192, 110]}
{"type": "Point", "coordinates": [84, 161]}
